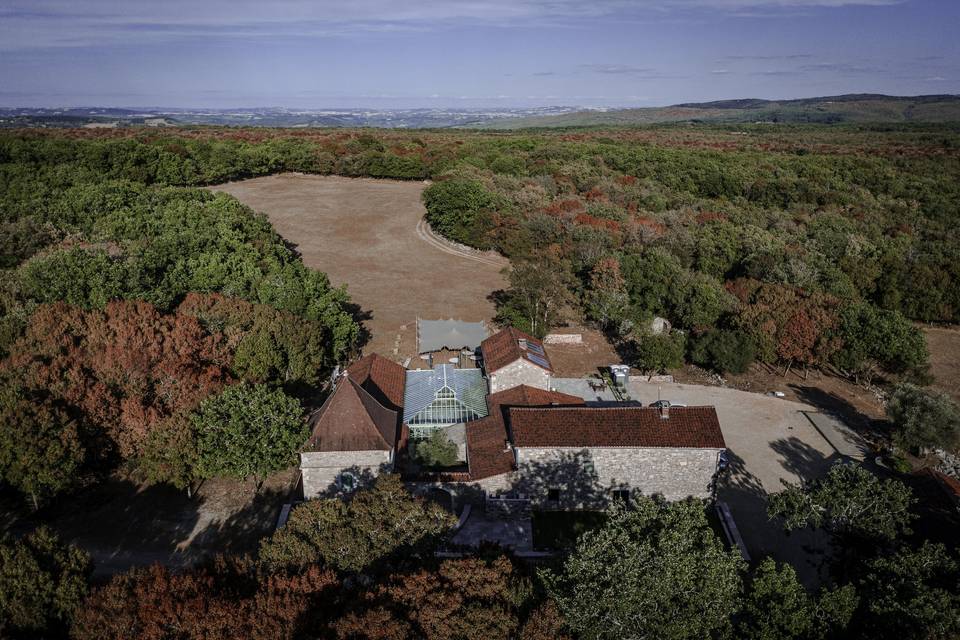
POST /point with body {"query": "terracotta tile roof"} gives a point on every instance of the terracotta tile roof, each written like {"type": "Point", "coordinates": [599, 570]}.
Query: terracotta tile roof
{"type": "Point", "coordinates": [503, 347]}
{"type": "Point", "coordinates": [352, 420]}
{"type": "Point", "coordinates": [487, 448]}
{"type": "Point", "coordinates": [694, 427]}
{"type": "Point", "coordinates": [382, 378]}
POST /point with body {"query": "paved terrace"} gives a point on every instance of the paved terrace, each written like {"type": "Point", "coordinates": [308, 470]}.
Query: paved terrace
{"type": "Point", "coordinates": [770, 440]}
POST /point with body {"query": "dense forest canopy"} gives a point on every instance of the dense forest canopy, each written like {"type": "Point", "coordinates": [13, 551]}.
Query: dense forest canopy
{"type": "Point", "coordinates": [144, 320]}
{"type": "Point", "coordinates": [799, 245]}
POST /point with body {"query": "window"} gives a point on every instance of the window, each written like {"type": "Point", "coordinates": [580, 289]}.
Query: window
{"type": "Point", "coordinates": [621, 494]}
{"type": "Point", "coordinates": [553, 495]}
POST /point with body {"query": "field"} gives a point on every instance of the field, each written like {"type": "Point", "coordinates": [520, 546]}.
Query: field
{"type": "Point", "coordinates": [368, 235]}
{"type": "Point", "coordinates": [944, 346]}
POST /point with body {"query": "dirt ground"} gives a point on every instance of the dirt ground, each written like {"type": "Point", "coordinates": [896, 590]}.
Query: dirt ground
{"type": "Point", "coordinates": [122, 524]}
{"type": "Point", "coordinates": [577, 360]}
{"type": "Point", "coordinates": [369, 235]}
{"type": "Point", "coordinates": [944, 346]}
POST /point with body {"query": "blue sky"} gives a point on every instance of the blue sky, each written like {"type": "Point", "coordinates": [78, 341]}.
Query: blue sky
{"type": "Point", "coordinates": [470, 54]}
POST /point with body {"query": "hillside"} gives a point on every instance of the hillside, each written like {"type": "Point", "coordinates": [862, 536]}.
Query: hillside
{"type": "Point", "coordinates": [823, 110]}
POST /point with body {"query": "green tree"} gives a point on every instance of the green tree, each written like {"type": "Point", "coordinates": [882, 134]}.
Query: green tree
{"type": "Point", "coordinates": [874, 338]}
{"type": "Point", "coordinates": [923, 419]}
{"type": "Point", "coordinates": [40, 450]}
{"type": "Point", "coordinates": [453, 208]}
{"type": "Point", "coordinates": [658, 352]}
{"type": "Point", "coordinates": [724, 350]}
{"type": "Point", "coordinates": [656, 570]}
{"type": "Point", "coordinates": [777, 607]}
{"type": "Point", "coordinates": [248, 430]}
{"type": "Point", "coordinates": [847, 501]}
{"type": "Point", "coordinates": [436, 451]}
{"type": "Point", "coordinates": [42, 583]}
{"type": "Point", "coordinates": [539, 290]}
{"type": "Point", "coordinates": [380, 523]}
{"type": "Point", "coordinates": [913, 594]}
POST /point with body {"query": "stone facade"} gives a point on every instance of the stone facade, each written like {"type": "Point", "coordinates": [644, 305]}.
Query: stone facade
{"type": "Point", "coordinates": [588, 477]}
{"type": "Point", "coordinates": [517, 373]}
{"type": "Point", "coordinates": [320, 470]}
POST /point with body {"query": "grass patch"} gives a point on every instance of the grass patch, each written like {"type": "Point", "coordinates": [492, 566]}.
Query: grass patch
{"type": "Point", "coordinates": [560, 529]}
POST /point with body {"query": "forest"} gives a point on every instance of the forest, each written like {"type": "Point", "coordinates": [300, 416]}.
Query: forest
{"type": "Point", "coordinates": [147, 323]}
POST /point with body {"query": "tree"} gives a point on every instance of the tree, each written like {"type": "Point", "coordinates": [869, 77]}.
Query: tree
{"type": "Point", "coordinates": [453, 207]}
{"type": "Point", "coordinates": [848, 501]}
{"type": "Point", "coordinates": [42, 583]}
{"type": "Point", "coordinates": [248, 430]}
{"type": "Point", "coordinates": [923, 419]}
{"type": "Point", "coordinates": [539, 289]}
{"type": "Point", "coordinates": [724, 350]}
{"type": "Point", "coordinates": [225, 599]}
{"type": "Point", "coordinates": [379, 525]}
{"type": "Point", "coordinates": [913, 594]}
{"type": "Point", "coordinates": [873, 338]}
{"type": "Point", "coordinates": [654, 571]}
{"type": "Point", "coordinates": [777, 607]}
{"type": "Point", "coordinates": [40, 450]}
{"type": "Point", "coordinates": [436, 451]}
{"type": "Point", "coordinates": [607, 299]}
{"type": "Point", "coordinates": [544, 623]}
{"type": "Point", "coordinates": [469, 598]}
{"type": "Point", "coordinates": [658, 352]}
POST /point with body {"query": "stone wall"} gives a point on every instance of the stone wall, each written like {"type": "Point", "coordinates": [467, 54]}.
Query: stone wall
{"type": "Point", "coordinates": [587, 477]}
{"type": "Point", "coordinates": [517, 373]}
{"type": "Point", "coordinates": [320, 469]}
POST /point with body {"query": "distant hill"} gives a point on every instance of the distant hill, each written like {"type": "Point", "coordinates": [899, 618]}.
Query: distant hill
{"type": "Point", "coordinates": [860, 107]}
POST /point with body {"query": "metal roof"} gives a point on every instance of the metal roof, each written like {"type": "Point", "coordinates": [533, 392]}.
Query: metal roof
{"type": "Point", "coordinates": [468, 387]}
{"type": "Point", "coordinates": [434, 335]}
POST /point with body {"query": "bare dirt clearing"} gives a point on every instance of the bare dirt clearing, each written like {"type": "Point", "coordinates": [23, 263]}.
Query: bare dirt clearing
{"type": "Point", "coordinates": [944, 346]}
{"type": "Point", "coordinates": [367, 234]}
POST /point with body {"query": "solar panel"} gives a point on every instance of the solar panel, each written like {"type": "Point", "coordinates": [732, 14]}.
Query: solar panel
{"type": "Point", "coordinates": [535, 348]}
{"type": "Point", "coordinates": [534, 358]}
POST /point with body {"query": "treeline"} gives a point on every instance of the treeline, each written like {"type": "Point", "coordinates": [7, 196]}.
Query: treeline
{"type": "Point", "coordinates": [367, 569]}
{"type": "Point", "coordinates": [150, 326]}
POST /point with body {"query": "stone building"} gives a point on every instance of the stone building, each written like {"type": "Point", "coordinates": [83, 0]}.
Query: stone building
{"type": "Point", "coordinates": [512, 358]}
{"type": "Point", "coordinates": [354, 434]}
{"type": "Point", "coordinates": [522, 440]}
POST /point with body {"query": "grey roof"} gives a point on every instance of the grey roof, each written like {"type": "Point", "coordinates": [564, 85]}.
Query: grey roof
{"type": "Point", "coordinates": [468, 386]}
{"type": "Point", "coordinates": [434, 335]}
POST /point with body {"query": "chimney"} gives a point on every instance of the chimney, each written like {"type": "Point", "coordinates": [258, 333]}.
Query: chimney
{"type": "Point", "coordinates": [522, 343]}
{"type": "Point", "coordinates": [664, 412]}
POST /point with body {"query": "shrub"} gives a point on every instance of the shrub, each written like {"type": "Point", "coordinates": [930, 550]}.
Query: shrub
{"type": "Point", "coordinates": [923, 419]}
{"type": "Point", "coordinates": [436, 451]}
{"type": "Point", "coordinates": [659, 352]}
{"type": "Point", "coordinates": [724, 351]}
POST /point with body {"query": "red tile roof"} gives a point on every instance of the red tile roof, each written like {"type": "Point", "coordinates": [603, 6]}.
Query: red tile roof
{"type": "Point", "coordinates": [352, 420]}
{"type": "Point", "coordinates": [487, 450]}
{"type": "Point", "coordinates": [503, 347]}
{"type": "Point", "coordinates": [694, 427]}
{"type": "Point", "coordinates": [382, 378]}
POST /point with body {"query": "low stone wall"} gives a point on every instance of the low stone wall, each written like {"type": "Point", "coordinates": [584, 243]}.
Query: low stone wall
{"type": "Point", "coordinates": [563, 338]}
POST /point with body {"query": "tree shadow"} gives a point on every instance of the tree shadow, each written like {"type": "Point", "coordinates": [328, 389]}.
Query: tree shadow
{"type": "Point", "coordinates": [568, 481]}
{"type": "Point", "coordinates": [840, 407]}
{"type": "Point", "coordinates": [360, 316]}
{"type": "Point", "coordinates": [241, 531]}
{"type": "Point", "coordinates": [802, 460]}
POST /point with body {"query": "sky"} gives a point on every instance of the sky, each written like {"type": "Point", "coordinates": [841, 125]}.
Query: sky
{"type": "Point", "coordinates": [468, 54]}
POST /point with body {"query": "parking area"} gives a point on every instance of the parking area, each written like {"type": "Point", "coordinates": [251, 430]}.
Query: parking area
{"type": "Point", "coordinates": [770, 441]}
